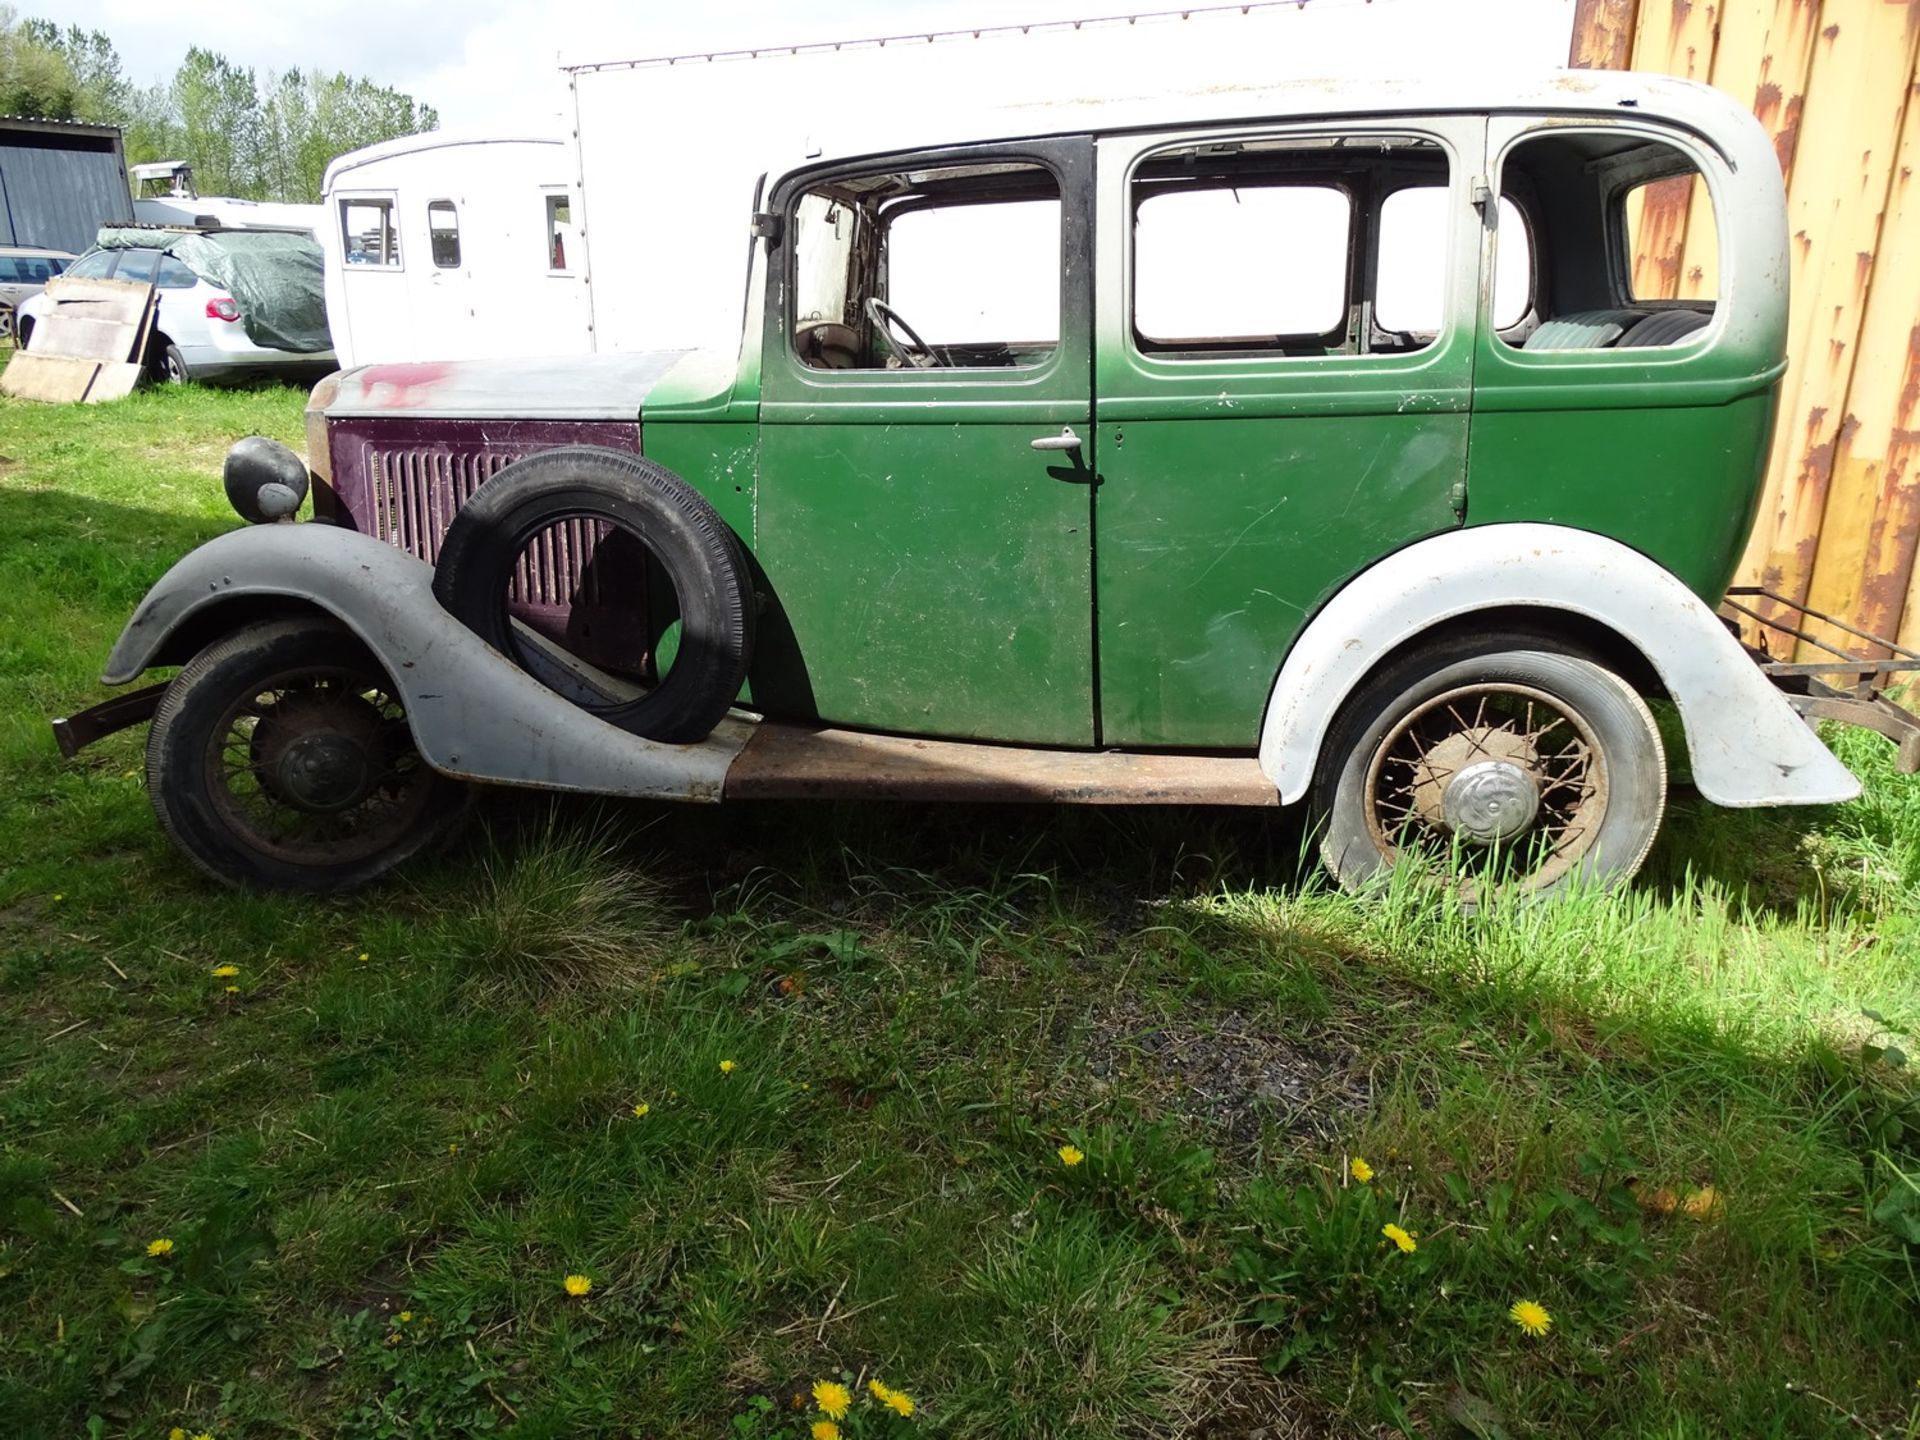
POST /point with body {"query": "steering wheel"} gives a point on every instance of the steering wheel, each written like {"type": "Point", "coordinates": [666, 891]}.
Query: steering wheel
{"type": "Point", "coordinates": [884, 317]}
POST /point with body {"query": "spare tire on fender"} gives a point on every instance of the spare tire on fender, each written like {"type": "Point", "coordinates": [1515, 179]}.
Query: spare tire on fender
{"type": "Point", "coordinates": [700, 556]}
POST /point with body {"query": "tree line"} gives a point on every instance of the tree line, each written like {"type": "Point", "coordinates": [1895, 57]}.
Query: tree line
{"type": "Point", "coordinates": [260, 135]}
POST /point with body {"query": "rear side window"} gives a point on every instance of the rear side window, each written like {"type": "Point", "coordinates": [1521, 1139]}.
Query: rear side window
{"type": "Point", "coordinates": [367, 234]}
{"type": "Point", "coordinates": [443, 234]}
{"type": "Point", "coordinates": [1233, 265]}
{"type": "Point", "coordinates": [174, 274]}
{"type": "Point", "coordinates": [1673, 248]}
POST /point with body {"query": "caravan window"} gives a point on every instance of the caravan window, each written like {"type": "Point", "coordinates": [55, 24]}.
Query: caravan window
{"type": "Point", "coordinates": [443, 233]}
{"type": "Point", "coordinates": [559, 231]}
{"type": "Point", "coordinates": [367, 234]}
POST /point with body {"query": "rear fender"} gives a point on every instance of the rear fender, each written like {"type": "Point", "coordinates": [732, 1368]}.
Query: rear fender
{"type": "Point", "coordinates": [1746, 744]}
{"type": "Point", "coordinates": [474, 713]}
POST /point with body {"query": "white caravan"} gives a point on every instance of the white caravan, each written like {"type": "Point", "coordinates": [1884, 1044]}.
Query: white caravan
{"type": "Point", "coordinates": [445, 247]}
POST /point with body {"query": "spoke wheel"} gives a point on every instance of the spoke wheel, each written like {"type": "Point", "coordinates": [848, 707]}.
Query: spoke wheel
{"type": "Point", "coordinates": [1494, 763]}
{"type": "Point", "coordinates": [281, 758]}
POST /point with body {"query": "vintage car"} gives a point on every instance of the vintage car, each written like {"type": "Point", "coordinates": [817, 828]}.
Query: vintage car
{"type": "Point", "coordinates": [1323, 445]}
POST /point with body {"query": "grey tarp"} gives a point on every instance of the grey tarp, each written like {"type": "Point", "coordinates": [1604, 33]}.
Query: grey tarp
{"type": "Point", "coordinates": [277, 278]}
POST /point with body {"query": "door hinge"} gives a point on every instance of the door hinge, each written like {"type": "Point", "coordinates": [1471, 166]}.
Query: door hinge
{"type": "Point", "coordinates": [766, 226]}
{"type": "Point", "coordinates": [1482, 194]}
{"type": "Point", "coordinates": [1457, 498]}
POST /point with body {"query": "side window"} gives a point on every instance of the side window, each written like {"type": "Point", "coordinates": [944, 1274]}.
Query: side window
{"type": "Point", "coordinates": [1622, 234]}
{"type": "Point", "coordinates": [1411, 287]}
{"type": "Point", "coordinates": [136, 265]}
{"type": "Point", "coordinates": [1206, 272]}
{"type": "Point", "coordinates": [1299, 247]}
{"type": "Point", "coordinates": [92, 267]}
{"type": "Point", "coordinates": [559, 232]}
{"type": "Point", "coordinates": [174, 275]}
{"type": "Point", "coordinates": [367, 234]}
{"type": "Point", "coordinates": [1673, 250]}
{"type": "Point", "coordinates": [443, 234]}
{"type": "Point", "coordinates": [950, 267]}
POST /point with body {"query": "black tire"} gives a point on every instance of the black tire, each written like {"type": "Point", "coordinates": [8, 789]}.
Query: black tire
{"type": "Point", "coordinates": [699, 554]}
{"type": "Point", "coordinates": [220, 752]}
{"type": "Point", "coordinates": [1391, 778]}
{"type": "Point", "coordinates": [169, 365]}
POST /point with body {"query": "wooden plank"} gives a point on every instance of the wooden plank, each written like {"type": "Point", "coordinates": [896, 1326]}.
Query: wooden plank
{"type": "Point", "coordinates": [792, 762]}
{"type": "Point", "coordinates": [115, 381]}
{"type": "Point", "coordinates": [1856, 99]}
{"type": "Point", "coordinates": [1865, 561]}
{"type": "Point", "coordinates": [1673, 39]}
{"type": "Point", "coordinates": [55, 379]}
{"type": "Point", "coordinates": [1603, 34]}
{"type": "Point", "coordinates": [84, 337]}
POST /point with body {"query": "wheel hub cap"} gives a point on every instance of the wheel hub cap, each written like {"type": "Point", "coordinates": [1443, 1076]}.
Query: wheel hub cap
{"type": "Point", "coordinates": [1489, 801]}
{"type": "Point", "coordinates": [323, 772]}
{"type": "Point", "coordinates": [1481, 784]}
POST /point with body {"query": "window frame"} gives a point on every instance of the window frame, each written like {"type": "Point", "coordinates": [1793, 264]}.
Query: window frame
{"type": "Point", "coordinates": [389, 202]}
{"type": "Point", "coordinates": [433, 256]}
{"type": "Point", "coordinates": [1359, 327]}
{"type": "Point", "coordinates": [1067, 158]}
{"type": "Point", "coordinates": [549, 196]}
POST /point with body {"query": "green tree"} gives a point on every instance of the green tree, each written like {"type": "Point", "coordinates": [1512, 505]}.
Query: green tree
{"type": "Point", "coordinates": [35, 77]}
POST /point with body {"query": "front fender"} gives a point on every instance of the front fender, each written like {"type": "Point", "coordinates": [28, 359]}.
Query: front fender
{"type": "Point", "coordinates": [474, 713]}
{"type": "Point", "coordinates": [1746, 744]}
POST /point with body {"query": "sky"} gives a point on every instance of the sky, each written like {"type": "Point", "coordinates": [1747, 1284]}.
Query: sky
{"type": "Point", "coordinates": [493, 64]}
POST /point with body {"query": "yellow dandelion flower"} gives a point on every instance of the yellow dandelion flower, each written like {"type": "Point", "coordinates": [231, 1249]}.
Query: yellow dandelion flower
{"type": "Point", "coordinates": [162, 1246]}
{"type": "Point", "coordinates": [204, 1435]}
{"type": "Point", "coordinates": [577, 1285]}
{"type": "Point", "coordinates": [404, 1316]}
{"type": "Point", "coordinates": [825, 1430]}
{"type": "Point", "coordinates": [176, 1433]}
{"type": "Point", "coordinates": [1069, 1156]}
{"type": "Point", "coordinates": [1531, 1316]}
{"type": "Point", "coordinates": [1402, 1238]}
{"type": "Point", "coordinates": [726, 1067]}
{"type": "Point", "coordinates": [897, 1401]}
{"type": "Point", "coordinates": [364, 957]}
{"type": "Point", "coordinates": [224, 972]}
{"type": "Point", "coordinates": [58, 898]}
{"type": "Point", "coordinates": [233, 989]}
{"type": "Point", "coordinates": [641, 1110]}
{"type": "Point", "coordinates": [1360, 1170]}
{"type": "Point", "coordinates": [453, 1148]}
{"type": "Point", "coordinates": [833, 1398]}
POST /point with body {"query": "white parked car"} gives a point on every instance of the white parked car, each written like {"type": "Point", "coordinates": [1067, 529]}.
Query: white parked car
{"type": "Point", "coordinates": [199, 332]}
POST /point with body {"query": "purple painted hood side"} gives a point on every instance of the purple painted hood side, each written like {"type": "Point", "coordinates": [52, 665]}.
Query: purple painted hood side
{"type": "Point", "coordinates": [569, 387]}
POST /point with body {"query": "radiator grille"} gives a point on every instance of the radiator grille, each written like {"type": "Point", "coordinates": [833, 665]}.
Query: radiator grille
{"type": "Point", "coordinates": [415, 491]}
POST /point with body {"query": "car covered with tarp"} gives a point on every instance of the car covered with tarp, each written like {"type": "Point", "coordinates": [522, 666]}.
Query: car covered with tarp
{"type": "Point", "coordinates": [231, 302]}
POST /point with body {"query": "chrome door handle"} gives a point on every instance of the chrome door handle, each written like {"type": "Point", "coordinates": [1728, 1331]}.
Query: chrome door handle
{"type": "Point", "coordinates": [1065, 440]}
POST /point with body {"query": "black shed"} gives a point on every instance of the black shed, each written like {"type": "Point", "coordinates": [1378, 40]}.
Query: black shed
{"type": "Point", "coordinates": [60, 181]}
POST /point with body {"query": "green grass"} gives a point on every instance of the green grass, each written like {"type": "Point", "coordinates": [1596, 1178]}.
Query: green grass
{"type": "Point", "coordinates": [921, 1006]}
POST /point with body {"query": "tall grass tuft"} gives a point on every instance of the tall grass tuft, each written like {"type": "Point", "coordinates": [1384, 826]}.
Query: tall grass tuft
{"type": "Point", "coordinates": [559, 910]}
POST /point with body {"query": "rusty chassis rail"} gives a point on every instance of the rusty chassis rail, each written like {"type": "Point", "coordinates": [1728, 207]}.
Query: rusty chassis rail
{"type": "Point", "coordinates": [1849, 687]}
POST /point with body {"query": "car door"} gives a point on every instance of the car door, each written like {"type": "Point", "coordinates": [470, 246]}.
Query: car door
{"type": "Point", "coordinates": [1283, 381]}
{"type": "Point", "coordinates": [934, 567]}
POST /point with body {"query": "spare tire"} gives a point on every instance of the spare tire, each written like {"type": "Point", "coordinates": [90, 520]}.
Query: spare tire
{"type": "Point", "coordinates": [699, 554]}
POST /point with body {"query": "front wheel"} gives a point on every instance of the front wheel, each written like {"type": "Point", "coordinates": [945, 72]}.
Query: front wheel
{"type": "Point", "coordinates": [280, 758]}
{"type": "Point", "coordinates": [1496, 762]}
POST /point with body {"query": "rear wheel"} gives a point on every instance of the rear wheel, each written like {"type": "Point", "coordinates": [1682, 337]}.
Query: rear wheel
{"type": "Point", "coordinates": [168, 366]}
{"type": "Point", "coordinates": [1497, 762]}
{"type": "Point", "coordinates": [280, 758]}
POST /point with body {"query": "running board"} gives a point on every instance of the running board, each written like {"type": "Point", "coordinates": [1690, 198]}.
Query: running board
{"type": "Point", "coordinates": [794, 762]}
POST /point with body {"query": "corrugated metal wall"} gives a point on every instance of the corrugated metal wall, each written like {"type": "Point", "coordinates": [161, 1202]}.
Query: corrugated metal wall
{"type": "Point", "coordinates": [57, 196]}
{"type": "Point", "coordinates": [1834, 82]}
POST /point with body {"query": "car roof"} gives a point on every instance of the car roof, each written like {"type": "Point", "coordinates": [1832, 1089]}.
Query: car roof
{"type": "Point", "coordinates": [1598, 94]}
{"type": "Point", "coordinates": [38, 250]}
